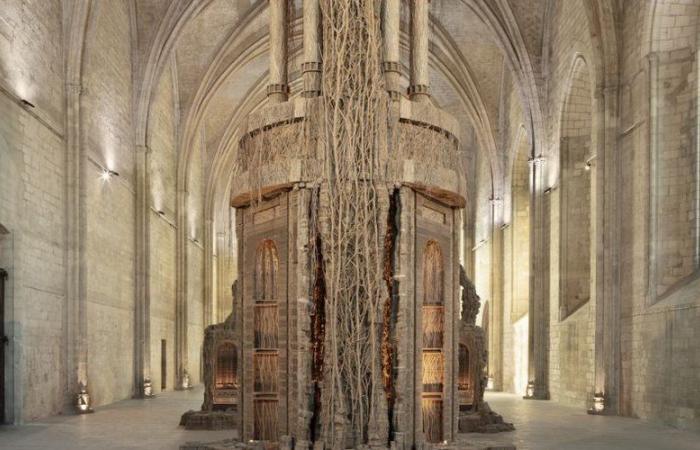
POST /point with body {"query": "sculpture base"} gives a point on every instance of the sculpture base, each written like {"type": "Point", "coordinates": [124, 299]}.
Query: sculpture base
{"type": "Point", "coordinates": [483, 421]}
{"type": "Point", "coordinates": [209, 420]}
{"type": "Point", "coordinates": [235, 444]}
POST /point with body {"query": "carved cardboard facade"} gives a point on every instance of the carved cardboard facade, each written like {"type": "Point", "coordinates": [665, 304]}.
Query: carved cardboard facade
{"type": "Point", "coordinates": [278, 391]}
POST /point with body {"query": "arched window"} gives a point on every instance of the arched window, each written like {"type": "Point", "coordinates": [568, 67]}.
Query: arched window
{"type": "Point", "coordinates": [575, 166]}
{"type": "Point", "coordinates": [266, 352]}
{"type": "Point", "coordinates": [266, 311]}
{"type": "Point", "coordinates": [433, 362]}
{"type": "Point", "coordinates": [520, 230]}
{"type": "Point", "coordinates": [675, 149]}
{"type": "Point", "coordinates": [266, 267]}
{"type": "Point", "coordinates": [433, 274]}
{"type": "Point", "coordinates": [226, 366]}
{"type": "Point", "coordinates": [463, 381]}
{"type": "Point", "coordinates": [433, 296]}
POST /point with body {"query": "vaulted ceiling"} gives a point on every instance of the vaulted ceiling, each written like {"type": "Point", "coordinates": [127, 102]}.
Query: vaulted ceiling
{"type": "Point", "coordinates": [216, 51]}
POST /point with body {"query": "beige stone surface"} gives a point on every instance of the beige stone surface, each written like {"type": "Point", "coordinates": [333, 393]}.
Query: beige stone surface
{"type": "Point", "coordinates": [85, 84]}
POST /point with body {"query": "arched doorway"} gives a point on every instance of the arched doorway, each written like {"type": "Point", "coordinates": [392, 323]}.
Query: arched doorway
{"type": "Point", "coordinates": [4, 416]}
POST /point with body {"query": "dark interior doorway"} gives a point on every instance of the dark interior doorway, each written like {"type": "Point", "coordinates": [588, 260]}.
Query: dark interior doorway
{"type": "Point", "coordinates": [3, 344]}
{"type": "Point", "coordinates": [163, 365]}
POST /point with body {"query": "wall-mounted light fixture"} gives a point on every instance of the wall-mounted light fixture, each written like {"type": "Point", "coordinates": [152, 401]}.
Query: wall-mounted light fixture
{"type": "Point", "coordinates": [186, 381]}
{"type": "Point", "coordinates": [530, 390]}
{"type": "Point", "coordinates": [107, 174]}
{"type": "Point", "coordinates": [589, 162]}
{"type": "Point", "coordinates": [161, 212]}
{"type": "Point", "coordinates": [477, 246]}
{"type": "Point", "coordinates": [598, 404]}
{"type": "Point", "coordinates": [147, 388]}
{"type": "Point", "coordinates": [82, 404]}
{"type": "Point", "coordinates": [27, 103]}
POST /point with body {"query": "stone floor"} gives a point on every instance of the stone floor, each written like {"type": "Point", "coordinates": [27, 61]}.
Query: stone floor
{"type": "Point", "coordinates": [544, 425]}
{"type": "Point", "coordinates": [152, 424]}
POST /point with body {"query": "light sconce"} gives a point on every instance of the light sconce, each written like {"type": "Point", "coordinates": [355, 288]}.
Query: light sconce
{"type": "Point", "coordinates": [147, 388]}
{"type": "Point", "coordinates": [477, 246]}
{"type": "Point", "coordinates": [530, 390]}
{"type": "Point", "coordinates": [107, 174]}
{"type": "Point", "coordinates": [589, 162]}
{"type": "Point", "coordinates": [82, 404]}
{"type": "Point", "coordinates": [598, 404]}
{"type": "Point", "coordinates": [186, 381]}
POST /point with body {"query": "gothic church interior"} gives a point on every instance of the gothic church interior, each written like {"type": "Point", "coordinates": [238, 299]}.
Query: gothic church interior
{"type": "Point", "coordinates": [343, 224]}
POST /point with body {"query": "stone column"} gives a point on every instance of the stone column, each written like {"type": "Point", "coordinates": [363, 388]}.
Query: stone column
{"type": "Point", "coordinates": [420, 81]}
{"type": "Point", "coordinates": [208, 317]}
{"type": "Point", "coordinates": [538, 317]}
{"type": "Point", "coordinates": [311, 68]}
{"type": "Point", "coordinates": [278, 90]}
{"type": "Point", "coordinates": [496, 310]}
{"type": "Point", "coordinates": [392, 55]}
{"type": "Point", "coordinates": [76, 264]}
{"type": "Point", "coordinates": [608, 216]}
{"type": "Point", "coordinates": [181, 290]}
{"type": "Point", "coordinates": [142, 328]}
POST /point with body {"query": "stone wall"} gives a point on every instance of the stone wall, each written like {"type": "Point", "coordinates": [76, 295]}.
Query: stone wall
{"type": "Point", "coordinates": [660, 293]}
{"type": "Point", "coordinates": [162, 163]}
{"type": "Point", "coordinates": [109, 207]}
{"type": "Point", "coordinates": [32, 218]}
{"type": "Point", "coordinates": [568, 122]}
{"type": "Point", "coordinates": [32, 212]}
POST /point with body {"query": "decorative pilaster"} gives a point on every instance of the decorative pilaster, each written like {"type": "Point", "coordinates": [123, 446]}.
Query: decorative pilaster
{"type": "Point", "coordinates": [538, 317]}
{"type": "Point", "coordinates": [311, 68]}
{"type": "Point", "coordinates": [208, 310]}
{"type": "Point", "coordinates": [76, 266]}
{"type": "Point", "coordinates": [607, 343]}
{"type": "Point", "coordinates": [391, 64]}
{"type": "Point", "coordinates": [420, 81]}
{"type": "Point", "coordinates": [142, 319]}
{"type": "Point", "coordinates": [278, 89]}
{"type": "Point", "coordinates": [181, 290]}
{"type": "Point", "coordinates": [496, 319]}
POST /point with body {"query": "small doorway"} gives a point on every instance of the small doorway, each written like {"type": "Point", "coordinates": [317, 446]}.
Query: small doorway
{"type": "Point", "coordinates": [3, 344]}
{"type": "Point", "coordinates": [163, 365]}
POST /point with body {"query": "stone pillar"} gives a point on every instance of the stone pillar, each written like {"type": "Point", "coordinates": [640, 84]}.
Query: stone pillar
{"type": "Point", "coordinates": [278, 90]}
{"type": "Point", "coordinates": [392, 55]}
{"type": "Point", "coordinates": [142, 328]}
{"type": "Point", "coordinates": [311, 68]}
{"type": "Point", "coordinates": [496, 310]}
{"type": "Point", "coordinates": [76, 265]}
{"type": "Point", "coordinates": [420, 81]}
{"type": "Point", "coordinates": [538, 317]}
{"type": "Point", "coordinates": [181, 290]}
{"type": "Point", "coordinates": [208, 310]}
{"type": "Point", "coordinates": [608, 216]}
